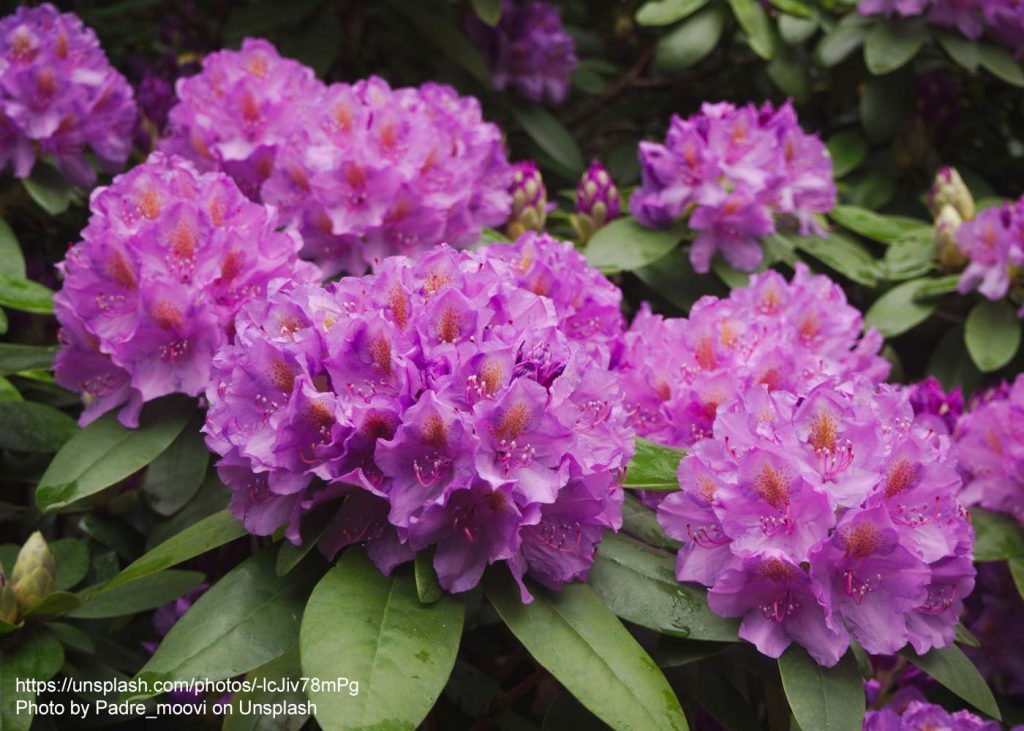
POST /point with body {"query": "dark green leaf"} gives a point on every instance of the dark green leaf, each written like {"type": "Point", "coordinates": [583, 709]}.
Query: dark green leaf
{"type": "Point", "coordinates": [197, 539]}
{"type": "Point", "coordinates": [996, 536]}
{"type": "Point", "coordinates": [285, 667]}
{"type": "Point", "coordinates": [427, 587]}
{"type": "Point", "coordinates": [755, 23]}
{"type": "Point", "coordinates": [848, 150]}
{"type": "Point", "coordinates": [71, 636]}
{"type": "Point", "coordinates": [951, 667]}
{"type": "Point", "coordinates": [1017, 573]}
{"type": "Point", "coordinates": [872, 190]}
{"type": "Point", "coordinates": [790, 73]}
{"type": "Point", "coordinates": [719, 697]}
{"type": "Point", "coordinates": [246, 619]}
{"type": "Point", "coordinates": [16, 358]}
{"type": "Point", "coordinates": [174, 477]}
{"type": "Point", "coordinates": [992, 334]}
{"type": "Point", "coordinates": [884, 104]}
{"type": "Point", "coordinates": [25, 295]}
{"type": "Point", "coordinates": [551, 136]}
{"type": "Point", "coordinates": [951, 363]}
{"type": "Point", "coordinates": [317, 45]}
{"type": "Point", "coordinates": [71, 560]}
{"type": "Point", "coordinates": [446, 38]}
{"type": "Point", "coordinates": [843, 254]}
{"type": "Point", "coordinates": [910, 257]}
{"type": "Point", "coordinates": [578, 639]}
{"type": "Point", "coordinates": [890, 44]}
{"type": "Point", "coordinates": [639, 584]}
{"type": "Point", "coordinates": [1001, 64]}
{"type": "Point", "coordinates": [673, 278]}
{"type": "Point", "coordinates": [666, 12]}
{"type": "Point", "coordinates": [938, 286]}
{"type": "Point", "coordinates": [36, 657]}
{"type": "Point", "coordinates": [898, 310]}
{"type": "Point", "coordinates": [823, 699]}
{"type": "Point", "coordinates": [795, 30]}
{"type": "Point", "coordinates": [49, 189]}
{"type": "Point", "coordinates": [140, 595]}
{"type": "Point", "coordinates": [258, 18]}
{"type": "Point", "coordinates": [689, 42]}
{"type": "Point", "coordinates": [27, 426]}
{"type": "Point", "coordinates": [877, 226]}
{"type": "Point", "coordinates": [489, 11]}
{"type": "Point", "coordinates": [964, 635]}
{"type": "Point", "coordinates": [565, 712]}
{"type": "Point", "coordinates": [12, 262]}
{"type": "Point", "coordinates": [105, 452]}
{"type": "Point", "coordinates": [626, 245]}
{"type": "Point", "coordinates": [54, 605]}
{"type": "Point", "coordinates": [653, 467]}
{"type": "Point", "coordinates": [639, 521]}
{"type": "Point", "coordinates": [845, 38]}
{"type": "Point", "coordinates": [962, 50]}
{"type": "Point", "coordinates": [372, 628]}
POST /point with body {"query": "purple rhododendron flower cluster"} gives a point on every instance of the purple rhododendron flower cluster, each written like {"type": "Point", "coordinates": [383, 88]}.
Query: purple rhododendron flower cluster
{"type": "Point", "coordinates": [990, 440]}
{"type": "Point", "coordinates": [59, 94]}
{"type": "Point", "coordinates": [823, 516]}
{"type": "Point", "coordinates": [436, 403]}
{"type": "Point", "coordinates": [784, 335]}
{"type": "Point", "coordinates": [363, 171]}
{"type": "Point", "coordinates": [529, 50]}
{"type": "Point", "coordinates": [150, 293]}
{"type": "Point", "coordinates": [924, 716]}
{"type": "Point", "coordinates": [1003, 18]}
{"type": "Point", "coordinates": [732, 171]}
{"type": "Point", "coordinates": [994, 244]}
{"type": "Point", "coordinates": [938, 409]}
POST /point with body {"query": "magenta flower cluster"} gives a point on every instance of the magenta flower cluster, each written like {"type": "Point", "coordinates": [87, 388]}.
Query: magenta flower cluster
{"type": "Point", "coordinates": [934, 407]}
{"type": "Point", "coordinates": [825, 516]}
{"type": "Point", "coordinates": [732, 172]}
{"type": "Point", "coordinates": [1003, 19]}
{"type": "Point", "coordinates": [924, 716]}
{"type": "Point", "coordinates": [59, 95]}
{"type": "Point", "coordinates": [990, 440]}
{"type": "Point", "coordinates": [363, 171]}
{"type": "Point", "coordinates": [784, 335]}
{"type": "Point", "coordinates": [151, 291]}
{"type": "Point", "coordinates": [529, 50]}
{"type": "Point", "coordinates": [435, 404]}
{"type": "Point", "coordinates": [994, 244]}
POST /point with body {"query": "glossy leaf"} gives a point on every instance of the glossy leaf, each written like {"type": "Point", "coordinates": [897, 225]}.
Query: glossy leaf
{"type": "Point", "coordinates": [427, 587]}
{"type": "Point", "coordinates": [992, 334]}
{"type": "Point", "coordinates": [36, 657]}
{"type": "Point", "coordinates": [639, 521]}
{"type": "Point", "coordinates": [639, 584]}
{"type": "Point", "coordinates": [624, 245]}
{"type": "Point", "coordinates": [890, 44]}
{"type": "Point", "coordinates": [951, 667]}
{"type": "Point", "coordinates": [848, 150]}
{"type": "Point", "coordinates": [71, 562]}
{"type": "Point", "coordinates": [12, 262]}
{"type": "Point", "coordinates": [245, 620]}
{"type": "Point", "coordinates": [962, 50]}
{"type": "Point", "coordinates": [824, 699]}
{"type": "Point", "coordinates": [285, 667]}
{"type": "Point", "coordinates": [996, 536]}
{"type": "Point", "coordinates": [105, 452]}
{"type": "Point", "coordinates": [1017, 573]}
{"type": "Point", "coordinates": [1001, 64]}
{"type": "Point", "coordinates": [880, 228]}
{"type": "Point", "coordinates": [551, 136]}
{"type": "Point", "coordinates": [48, 187]}
{"type": "Point", "coordinates": [362, 625]}
{"type": "Point", "coordinates": [845, 38]}
{"type": "Point", "coordinates": [795, 30]}
{"type": "Point", "coordinates": [666, 12]}
{"type": "Point", "coordinates": [489, 11]}
{"type": "Point", "coordinates": [755, 23]}
{"type": "Point", "coordinates": [653, 467]}
{"type": "Point", "coordinates": [54, 604]}
{"type": "Point", "coordinates": [898, 310]}
{"type": "Point", "coordinates": [578, 639]}
{"type": "Point", "coordinates": [174, 477]}
{"type": "Point", "coordinates": [27, 426]}
{"type": "Point", "coordinates": [16, 358]}
{"type": "Point", "coordinates": [690, 41]}
{"type": "Point", "coordinates": [843, 254]}
{"type": "Point", "coordinates": [25, 295]}
{"type": "Point", "coordinates": [140, 595]}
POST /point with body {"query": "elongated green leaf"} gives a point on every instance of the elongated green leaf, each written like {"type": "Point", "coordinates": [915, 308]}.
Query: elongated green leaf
{"type": "Point", "coordinates": [938, 286]}
{"type": "Point", "coordinates": [795, 30]}
{"type": "Point", "coordinates": [845, 38]}
{"type": "Point", "coordinates": [843, 254]}
{"type": "Point", "coordinates": [105, 452]}
{"type": "Point", "coordinates": [992, 334]}
{"type": "Point", "coordinates": [1001, 64]}
{"type": "Point", "coordinates": [371, 628]}
{"type": "Point", "coordinates": [653, 467]}
{"type": "Point", "coordinates": [489, 11]}
{"type": "Point", "coordinates": [690, 41]}
{"type": "Point", "coordinates": [848, 150]}
{"type": "Point", "coordinates": [25, 295]}
{"type": "Point", "coordinates": [278, 670]}
{"type": "Point", "coordinates": [910, 257]}
{"type": "Point", "coordinates": [427, 587]}
{"type": "Point", "coordinates": [759, 29]}
{"type": "Point", "coordinates": [996, 536]}
{"type": "Point", "coordinates": [666, 12]}
{"type": "Point", "coordinates": [890, 44]}
{"type": "Point", "coordinates": [719, 697]}
{"type": "Point", "coordinates": [71, 561]}
{"type": "Point", "coordinates": [8, 392]}
{"type": "Point", "coordinates": [16, 358]}
{"type": "Point", "coordinates": [825, 699]}
{"type": "Point", "coordinates": [27, 426]}
{"type": "Point", "coordinates": [639, 584]}
{"type": "Point", "coordinates": [174, 477]}
{"type": "Point", "coordinates": [626, 245]}
{"type": "Point", "coordinates": [36, 657]}
{"type": "Point", "coordinates": [149, 592]}
{"type": "Point", "coordinates": [49, 189]}
{"type": "Point", "coordinates": [12, 262]}
{"type": "Point", "coordinates": [1017, 573]}
{"type": "Point", "coordinates": [639, 521]}
{"type": "Point", "coordinates": [550, 134]}
{"type": "Point", "coordinates": [54, 605]}
{"type": "Point", "coordinates": [951, 667]}
{"type": "Point", "coordinates": [962, 50]}
{"type": "Point", "coordinates": [881, 228]}
{"type": "Point", "coordinates": [791, 75]}
{"type": "Point", "coordinates": [898, 310]}
{"type": "Point", "coordinates": [205, 535]}
{"type": "Point", "coordinates": [246, 619]}
{"type": "Point", "coordinates": [578, 639]}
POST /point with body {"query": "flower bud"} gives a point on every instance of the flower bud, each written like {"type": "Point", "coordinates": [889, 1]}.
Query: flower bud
{"type": "Point", "coordinates": [529, 200]}
{"type": "Point", "coordinates": [947, 223]}
{"type": "Point", "coordinates": [949, 190]}
{"type": "Point", "coordinates": [597, 201]}
{"type": "Point", "coordinates": [8, 600]}
{"type": "Point", "coordinates": [33, 573]}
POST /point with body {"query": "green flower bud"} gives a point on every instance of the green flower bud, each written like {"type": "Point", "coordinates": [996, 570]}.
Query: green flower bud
{"type": "Point", "coordinates": [949, 190]}
{"type": "Point", "coordinates": [947, 223]}
{"type": "Point", "coordinates": [33, 573]}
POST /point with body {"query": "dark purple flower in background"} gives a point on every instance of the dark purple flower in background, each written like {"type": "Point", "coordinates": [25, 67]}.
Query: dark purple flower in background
{"type": "Point", "coordinates": [934, 406]}
{"type": "Point", "coordinates": [59, 95]}
{"type": "Point", "coordinates": [924, 716]}
{"type": "Point", "coordinates": [529, 50]}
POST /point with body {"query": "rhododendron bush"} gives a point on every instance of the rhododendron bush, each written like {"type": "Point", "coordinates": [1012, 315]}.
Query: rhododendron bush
{"type": "Point", "coordinates": [471, 364]}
